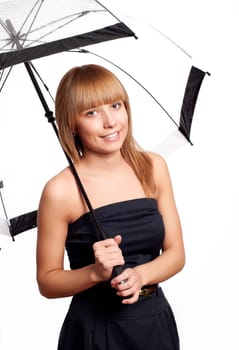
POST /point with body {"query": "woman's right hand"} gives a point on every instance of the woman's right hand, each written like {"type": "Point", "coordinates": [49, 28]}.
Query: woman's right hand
{"type": "Point", "coordinates": [107, 255]}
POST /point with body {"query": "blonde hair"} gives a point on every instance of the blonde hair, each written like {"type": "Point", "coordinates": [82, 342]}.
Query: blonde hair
{"type": "Point", "coordinates": [86, 87]}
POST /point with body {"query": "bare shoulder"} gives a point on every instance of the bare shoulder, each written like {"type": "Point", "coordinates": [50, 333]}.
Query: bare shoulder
{"type": "Point", "coordinates": [60, 195]}
{"type": "Point", "coordinates": [160, 171]}
{"type": "Point", "coordinates": [57, 186]}
{"type": "Point", "coordinates": [156, 158]}
{"type": "Point", "coordinates": [159, 163]}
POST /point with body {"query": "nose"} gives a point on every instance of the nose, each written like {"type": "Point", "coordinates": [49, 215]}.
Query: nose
{"type": "Point", "coordinates": [108, 119]}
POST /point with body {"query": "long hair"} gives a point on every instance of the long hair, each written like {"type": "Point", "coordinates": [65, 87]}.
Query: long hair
{"type": "Point", "coordinates": [89, 86]}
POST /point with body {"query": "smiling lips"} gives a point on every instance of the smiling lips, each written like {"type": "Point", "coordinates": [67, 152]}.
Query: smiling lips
{"type": "Point", "coordinates": [112, 136]}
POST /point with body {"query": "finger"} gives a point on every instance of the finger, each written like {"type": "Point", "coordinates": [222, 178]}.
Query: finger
{"type": "Point", "coordinates": [126, 276]}
{"type": "Point", "coordinates": [111, 252]}
{"type": "Point", "coordinates": [129, 296]}
{"type": "Point", "coordinates": [123, 281]}
{"type": "Point", "coordinates": [119, 280]}
{"type": "Point", "coordinates": [131, 300]}
{"type": "Point", "coordinates": [110, 260]}
{"type": "Point", "coordinates": [118, 239]}
{"type": "Point", "coordinates": [105, 243]}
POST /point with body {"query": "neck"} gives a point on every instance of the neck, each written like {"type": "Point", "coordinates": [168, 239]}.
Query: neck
{"type": "Point", "coordinates": [102, 163]}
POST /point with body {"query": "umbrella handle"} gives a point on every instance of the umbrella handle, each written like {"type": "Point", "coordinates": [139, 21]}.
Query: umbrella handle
{"type": "Point", "coordinates": [117, 270]}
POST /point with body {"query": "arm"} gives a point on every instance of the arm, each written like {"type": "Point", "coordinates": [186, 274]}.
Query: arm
{"type": "Point", "coordinates": [172, 259]}
{"type": "Point", "coordinates": [53, 218]}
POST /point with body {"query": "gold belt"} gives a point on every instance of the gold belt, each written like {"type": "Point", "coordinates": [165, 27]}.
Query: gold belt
{"type": "Point", "coordinates": [147, 290]}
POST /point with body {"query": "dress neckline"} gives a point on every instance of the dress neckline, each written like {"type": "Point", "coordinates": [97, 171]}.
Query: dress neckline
{"type": "Point", "coordinates": [114, 204]}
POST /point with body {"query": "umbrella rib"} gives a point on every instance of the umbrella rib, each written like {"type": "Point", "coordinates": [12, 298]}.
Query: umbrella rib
{"type": "Point", "coordinates": [5, 27]}
{"type": "Point", "coordinates": [2, 23]}
{"type": "Point", "coordinates": [170, 40]}
{"type": "Point", "coordinates": [57, 28]}
{"type": "Point", "coordinates": [75, 17]}
{"type": "Point", "coordinates": [134, 79]}
{"type": "Point", "coordinates": [99, 3]}
{"type": "Point", "coordinates": [33, 20]}
{"type": "Point", "coordinates": [161, 33]}
{"type": "Point", "coordinates": [24, 36]}
{"type": "Point", "coordinates": [28, 15]}
{"type": "Point", "coordinates": [42, 81]}
{"type": "Point", "coordinates": [5, 210]}
{"type": "Point", "coordinates": [4, 81]}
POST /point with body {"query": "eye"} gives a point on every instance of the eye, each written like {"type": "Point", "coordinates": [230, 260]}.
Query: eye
{"type": "Point", "coordinates": [116, 105]}
{"type": "Point", "coordinates": [90, 113]}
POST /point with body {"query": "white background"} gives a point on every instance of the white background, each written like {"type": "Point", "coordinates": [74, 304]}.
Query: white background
{"type": "Point", "coordinates": [204, 296]}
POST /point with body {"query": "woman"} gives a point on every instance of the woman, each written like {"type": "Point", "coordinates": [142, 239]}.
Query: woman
{"type": "Point", "coordinates": [132, 194]}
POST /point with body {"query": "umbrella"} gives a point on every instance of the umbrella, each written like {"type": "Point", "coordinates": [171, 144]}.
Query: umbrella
{"type": "Point", "coordinates": [43, 30]}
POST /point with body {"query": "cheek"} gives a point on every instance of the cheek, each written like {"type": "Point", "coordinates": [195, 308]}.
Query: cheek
{"type": "Point", "coordinates": [84, 129]}
{"type": "Point", "coordinates": [87, 132]}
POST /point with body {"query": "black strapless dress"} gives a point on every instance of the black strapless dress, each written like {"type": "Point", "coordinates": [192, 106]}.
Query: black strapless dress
{"type": "Point", "coordinates": [97, 320]}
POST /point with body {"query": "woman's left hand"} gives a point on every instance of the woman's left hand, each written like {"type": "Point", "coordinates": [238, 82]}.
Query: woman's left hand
{"type": "Point", "coordinates": [128, 285]}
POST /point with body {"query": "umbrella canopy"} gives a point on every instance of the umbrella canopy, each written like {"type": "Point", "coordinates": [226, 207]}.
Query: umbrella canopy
{"type": "Point", "coordinates": [50, 33]}
{"type": "Point", "coordinates": [33, 29]}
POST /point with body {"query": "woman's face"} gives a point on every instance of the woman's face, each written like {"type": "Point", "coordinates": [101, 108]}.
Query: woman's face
{"type": "Point", "coordinates": [103, 129]}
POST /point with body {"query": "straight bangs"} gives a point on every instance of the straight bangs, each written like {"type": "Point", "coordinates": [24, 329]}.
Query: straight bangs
{"type": "Point", "coordinates": [96, 88]}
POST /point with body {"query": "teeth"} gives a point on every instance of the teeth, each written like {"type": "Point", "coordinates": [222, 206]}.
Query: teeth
{"type": "Point", "coordinates": [111, 136]}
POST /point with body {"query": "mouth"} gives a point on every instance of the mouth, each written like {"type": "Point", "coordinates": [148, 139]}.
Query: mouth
{"type": "Point", "coordinates": [112, 136]}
